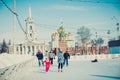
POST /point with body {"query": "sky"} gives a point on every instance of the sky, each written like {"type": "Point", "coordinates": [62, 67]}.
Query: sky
{"type": "Point", "coordinates": [48, 15]}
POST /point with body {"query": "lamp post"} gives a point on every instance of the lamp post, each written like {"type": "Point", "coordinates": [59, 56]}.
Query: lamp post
{"type": "Point", "coordinates": [96, 47]}
{"type": "Point", "coordinates": [117, 24]}
{"type": "Point", "coordinates": [14, 34]}
{"type": "Point", "coordinates": [108, 32]}
{"type": "Point", "coordinates": [76, 47]}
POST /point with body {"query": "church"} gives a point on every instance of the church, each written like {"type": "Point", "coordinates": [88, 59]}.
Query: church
{"type": "Point", "coordinates": [61, 39]}
{"type": "Point", "coordinates": [30, 44]}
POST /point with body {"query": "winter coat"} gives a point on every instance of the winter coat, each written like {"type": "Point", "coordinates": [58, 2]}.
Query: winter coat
{"type": "Point", "coordinates": [39, 55]}
{"type": "Point", "coordinates": [51, 55]}
{"type": "Point", "coordinates": [66, 55]}
{"type": "Point", "coordinates": [60, 57]}
{"type": "Point", "coordinates": [47, 63]}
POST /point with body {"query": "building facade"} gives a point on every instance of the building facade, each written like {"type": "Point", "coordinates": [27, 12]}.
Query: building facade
{"type": "Point", "coordinates": [30, 44]}
{"type": "Point", "coordinates": [61, 39]}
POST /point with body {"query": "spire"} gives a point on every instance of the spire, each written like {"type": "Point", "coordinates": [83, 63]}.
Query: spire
{"type": "Point", "coordinates": [30, 12]}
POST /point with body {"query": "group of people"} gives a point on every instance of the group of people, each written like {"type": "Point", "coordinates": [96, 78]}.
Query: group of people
{"type": "Point", "coordinates": [50, 56]}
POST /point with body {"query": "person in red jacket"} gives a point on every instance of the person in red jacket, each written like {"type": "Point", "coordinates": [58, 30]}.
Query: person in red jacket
{"type": "Point", "coordinates": [47, 64]}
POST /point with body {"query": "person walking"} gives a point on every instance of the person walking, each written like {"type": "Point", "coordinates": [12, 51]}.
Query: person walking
{"type": "Point", "coordinates": [51, 56]}
{"type": "Point", "coordinates": [39, 55]}
{"type": "Point", "coordinates": [60, 60]}
{"type": "Point", "coordinates": [47, 64]}
{"type": "Point", "coordinates": [46, 54]}
{"type": "Point", "coordinates": [66, 57]}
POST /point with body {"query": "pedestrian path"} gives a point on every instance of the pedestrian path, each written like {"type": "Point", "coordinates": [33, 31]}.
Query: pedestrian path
{"type": "Point", "coordinates": [77, 70]}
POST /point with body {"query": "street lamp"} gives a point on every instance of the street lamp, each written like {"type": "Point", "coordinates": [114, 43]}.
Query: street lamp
{"type": "Point", "coordinates": [117, 24]}
{"type": "Point", "coordinates": [108, 32]}
{"type": "Point", "coordinates": [14, 36]}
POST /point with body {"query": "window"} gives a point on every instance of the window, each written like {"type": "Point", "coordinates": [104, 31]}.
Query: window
{"type": "Point", "coordinates": [30, 27]}
{"type": "Point", "coordinates": [30, 35]}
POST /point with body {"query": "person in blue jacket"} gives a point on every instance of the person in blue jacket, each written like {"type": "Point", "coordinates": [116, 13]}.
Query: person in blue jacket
{"type": "Point", "coordinates": [39, 55]}
{"type": "Point", "coordinates": [66, 57]}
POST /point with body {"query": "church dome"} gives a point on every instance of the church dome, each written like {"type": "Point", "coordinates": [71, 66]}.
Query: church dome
{"type": "Point", "coordinates": [62, 33]}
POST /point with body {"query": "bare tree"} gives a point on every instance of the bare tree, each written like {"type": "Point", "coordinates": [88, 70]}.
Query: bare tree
{"type": "Point", "coordinates": [100, 41]}
{"type": "Point", "coordinates": [83, 36]}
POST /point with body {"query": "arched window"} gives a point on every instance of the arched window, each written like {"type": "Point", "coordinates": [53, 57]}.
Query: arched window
{"type": "Point", "coordinates": [30, 27]}
{"type": "Point", "coordinates": [30, 35]}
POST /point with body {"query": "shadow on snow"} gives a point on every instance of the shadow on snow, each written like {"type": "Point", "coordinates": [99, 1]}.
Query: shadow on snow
{"type": "Point", "coordinates": [114, 77]}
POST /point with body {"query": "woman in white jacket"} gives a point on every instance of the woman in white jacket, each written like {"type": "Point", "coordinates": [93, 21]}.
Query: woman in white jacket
{"type": "Point", "coordinates": [51, 56]}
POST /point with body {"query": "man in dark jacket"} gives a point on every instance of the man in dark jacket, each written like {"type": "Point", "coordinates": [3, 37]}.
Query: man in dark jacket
{"type": "Point", "coordinates": [66, 57]}
{"type": "Point", "coordinates": [40, 58]}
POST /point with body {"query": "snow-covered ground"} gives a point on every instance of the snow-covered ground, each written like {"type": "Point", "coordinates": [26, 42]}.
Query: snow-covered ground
{"type": "Point", "coordinates": [11, 59]}
{"type": "Point", "coordinates": [11, 63]}
{"type": "Point", "coordinates": [78, 69]}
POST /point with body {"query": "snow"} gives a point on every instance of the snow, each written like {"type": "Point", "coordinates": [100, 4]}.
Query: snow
{"type": "Point", "coordinates": [77, 70]}
{"type": "Point", "coordinates": [107, 68]}
{"type": "Point", "coordinates": [11, 59]}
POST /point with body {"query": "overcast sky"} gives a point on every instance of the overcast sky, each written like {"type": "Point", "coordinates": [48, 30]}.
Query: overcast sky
{"type": "Point", "coordinates": [48, 14]}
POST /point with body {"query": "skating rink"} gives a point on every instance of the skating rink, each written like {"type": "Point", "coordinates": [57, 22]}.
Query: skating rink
{"type": "Point", "coordinates": [104, 69]}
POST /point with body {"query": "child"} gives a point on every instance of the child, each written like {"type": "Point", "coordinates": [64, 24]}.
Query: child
{"type": "Point", "coordinates": [47, 64]}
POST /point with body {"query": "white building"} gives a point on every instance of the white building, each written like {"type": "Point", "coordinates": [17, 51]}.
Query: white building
{"type": "Point", "coordinates": [30, 44]}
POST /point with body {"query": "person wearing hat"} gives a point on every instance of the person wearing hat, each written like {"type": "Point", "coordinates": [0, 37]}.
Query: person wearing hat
{"type": "Point", "coordinates": [39, 55]}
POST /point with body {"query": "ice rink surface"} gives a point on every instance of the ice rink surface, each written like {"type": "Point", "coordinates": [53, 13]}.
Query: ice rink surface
{"type": "Point", "coordinates": [108, 69]}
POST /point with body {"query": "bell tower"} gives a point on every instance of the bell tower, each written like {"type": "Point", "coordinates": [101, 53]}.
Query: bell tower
{"type": "Point", "coordinates": [30, 28]}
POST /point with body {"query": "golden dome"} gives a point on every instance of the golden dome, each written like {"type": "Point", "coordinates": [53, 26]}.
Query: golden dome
{"type": "Point", "coordinates": [60, 29]}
